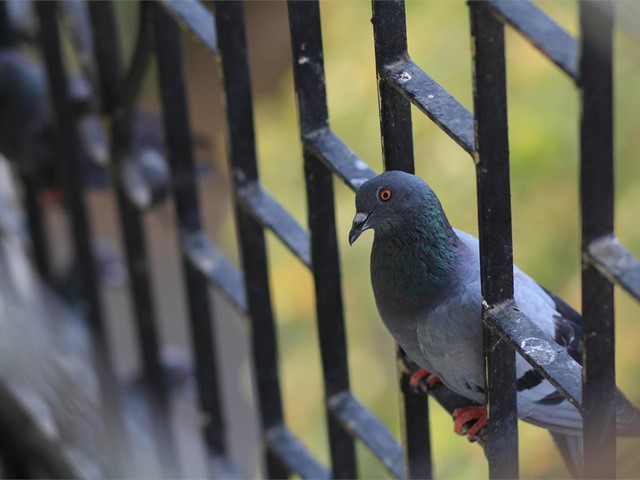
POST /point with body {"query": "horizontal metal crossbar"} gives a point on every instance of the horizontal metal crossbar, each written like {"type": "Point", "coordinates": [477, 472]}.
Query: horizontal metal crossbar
{"type": "Point", "coordinates": [195, 18]}
{"type": "Point", "coordinates": [223, 276]}
{"type": "Point", "coordinates": [433, 100]}
{"type": "Point", "coordinates": [615, 262]}
{"type": "Point", "coordinates": [335, 154]}
{"type": "Point", "coordinates": [363, 425]}
{"type": "Point", "coordinates": [270, 214]}
{"type": "Point", "coordinates": [293, 454]}
{"type": "Point", "coordinates": [546, 356]}
{"type": "Point", "coordinates": [543, 33]}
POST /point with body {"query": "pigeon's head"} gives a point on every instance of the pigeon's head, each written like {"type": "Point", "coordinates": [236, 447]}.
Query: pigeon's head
{"type": "Point", "coordinates": [22, 86]}
{"type": "Point", "coordinates": [22, 101]}
{"type": "Point", "coordinates": [394, 201]}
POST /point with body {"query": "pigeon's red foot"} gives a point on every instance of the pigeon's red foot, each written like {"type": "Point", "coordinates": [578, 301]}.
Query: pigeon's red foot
{"type": "Point", "coordinates": [477, 414]}
{"type": "Point", "coordinates": [53, 195]}
{"type": "Point", "coordinates": [431, 379]}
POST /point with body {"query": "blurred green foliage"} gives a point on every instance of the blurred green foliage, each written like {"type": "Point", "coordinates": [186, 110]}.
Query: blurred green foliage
{"type": "Point", "coordinates": [544, 143]}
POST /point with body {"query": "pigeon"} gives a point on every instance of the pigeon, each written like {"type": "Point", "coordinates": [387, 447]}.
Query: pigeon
{"type": "Point", "coordinates": [426, 282]}
{"type": "Point", "coordinates": [27, 123]}
{"type": "Point", "coordinates": [22, 104]}
{"type": "Point", "coordinates": [145, 172]}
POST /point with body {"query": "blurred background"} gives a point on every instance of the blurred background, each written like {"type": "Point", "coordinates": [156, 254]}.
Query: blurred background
{"type": "Point", "coordinates": [544, 138]}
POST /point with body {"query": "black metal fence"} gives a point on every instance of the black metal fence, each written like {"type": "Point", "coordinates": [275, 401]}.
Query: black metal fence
{"type": "Point", "coordinates": [402, 84]}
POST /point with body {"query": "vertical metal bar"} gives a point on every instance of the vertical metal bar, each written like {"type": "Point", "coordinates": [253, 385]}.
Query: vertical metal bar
{"type": "Point", "coordinates": [494, 217]}
{"type": "Point", "coordinates": [596, 197]}
{"type": "Point", "coordinates": [242, 157]}
{"type": "Point", "coordinates": [108, 60]}
{"type": "Point", "coordinates": [415, 430]}
{"type": "Point", "coordinates": [390, 37]}
{"type": "Point", "coordinates": [178, 135]}
{"type": "Point", "coordinates": [37, 233]}
{"type": "Point", "coordinates": [79, 223]}
{"type": "Point", "coordinates": [140, 59]}
{"type": "Point", "coordinates": [329, 311]}
{"type": "Point", "coordinates": [306, 43]}
{"type": "Point", "coordinates": [5, 26]}
{"type": "Point", "coordinates": [35, 222]}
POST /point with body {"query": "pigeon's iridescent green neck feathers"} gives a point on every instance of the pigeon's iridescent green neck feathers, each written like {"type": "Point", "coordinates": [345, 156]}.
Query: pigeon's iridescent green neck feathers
{"type": "Point", "coordinates": [416, 249]}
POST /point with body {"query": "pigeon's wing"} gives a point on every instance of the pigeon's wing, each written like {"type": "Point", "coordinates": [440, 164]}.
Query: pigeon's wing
{"type": "Point", "coordinates": [568, 326]}
{"type": "Point", "coordinates": [538, 401]}
{"type": "Point", "coordinates": [546, 407]}
{"type": "Point", "coordinates": [558, 415]}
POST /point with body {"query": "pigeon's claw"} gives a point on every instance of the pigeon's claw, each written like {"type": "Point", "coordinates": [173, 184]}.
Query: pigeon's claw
{"type": "Point", "coordinates": [477, 414]}
{"type": "Point", "coordinates": [53, 195]}
{"type": "Point", "coordinates": [421, 375]}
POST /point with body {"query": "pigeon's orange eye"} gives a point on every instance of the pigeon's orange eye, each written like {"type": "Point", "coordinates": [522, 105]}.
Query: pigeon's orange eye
{"type": "Point", "coordinates": [385, 194]}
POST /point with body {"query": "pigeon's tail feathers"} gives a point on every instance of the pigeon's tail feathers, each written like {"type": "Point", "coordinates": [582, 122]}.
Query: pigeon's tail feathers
{"type": "Point", "coordinates": [560, 417]}
{"type": "Point", "coordinates": [628, 417]}
{"type": "Point", "coordinates": [564, 418]}
{"type": "Point", "coordinates": [571, 449]}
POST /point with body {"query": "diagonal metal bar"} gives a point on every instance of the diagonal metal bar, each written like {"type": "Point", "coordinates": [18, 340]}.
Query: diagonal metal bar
{"type": "Point", "coordinates": [543, 33]}
{"type": "Point", "coordinates": [536, 347]}
{"type": "Point", "coordinates": [270, 214]}
{"type": "Point", "coordinates": [433, 100]}
{"type": "Point", "coordinates": [325, 145]}
{"type": "Point", "coordinates": [285, 446]}
{"type": "Point", "coordinates": [196, 19]}
{"type": "Point", "coordinates": [203, 255]}
{"type": "Point", "coordinates": [615, 262]}
{"type": "Point", "coordinates": [362, 424]}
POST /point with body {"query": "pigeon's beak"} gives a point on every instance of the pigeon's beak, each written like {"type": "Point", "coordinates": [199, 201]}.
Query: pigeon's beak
{"type": "Point", "coordinates": [359, 225]}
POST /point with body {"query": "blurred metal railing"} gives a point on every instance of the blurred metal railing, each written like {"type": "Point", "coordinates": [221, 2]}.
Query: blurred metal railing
{"type": "Point", "coordinates": [401, 83]}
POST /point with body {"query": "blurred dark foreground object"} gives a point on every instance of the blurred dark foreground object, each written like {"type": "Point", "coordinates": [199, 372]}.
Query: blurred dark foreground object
{"type": "Point", "coordinates": [51, 423]}
{"type": "Point", "coordinates": [27, 133]}
{"type": "Point", "coordinates": [50, 419]}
